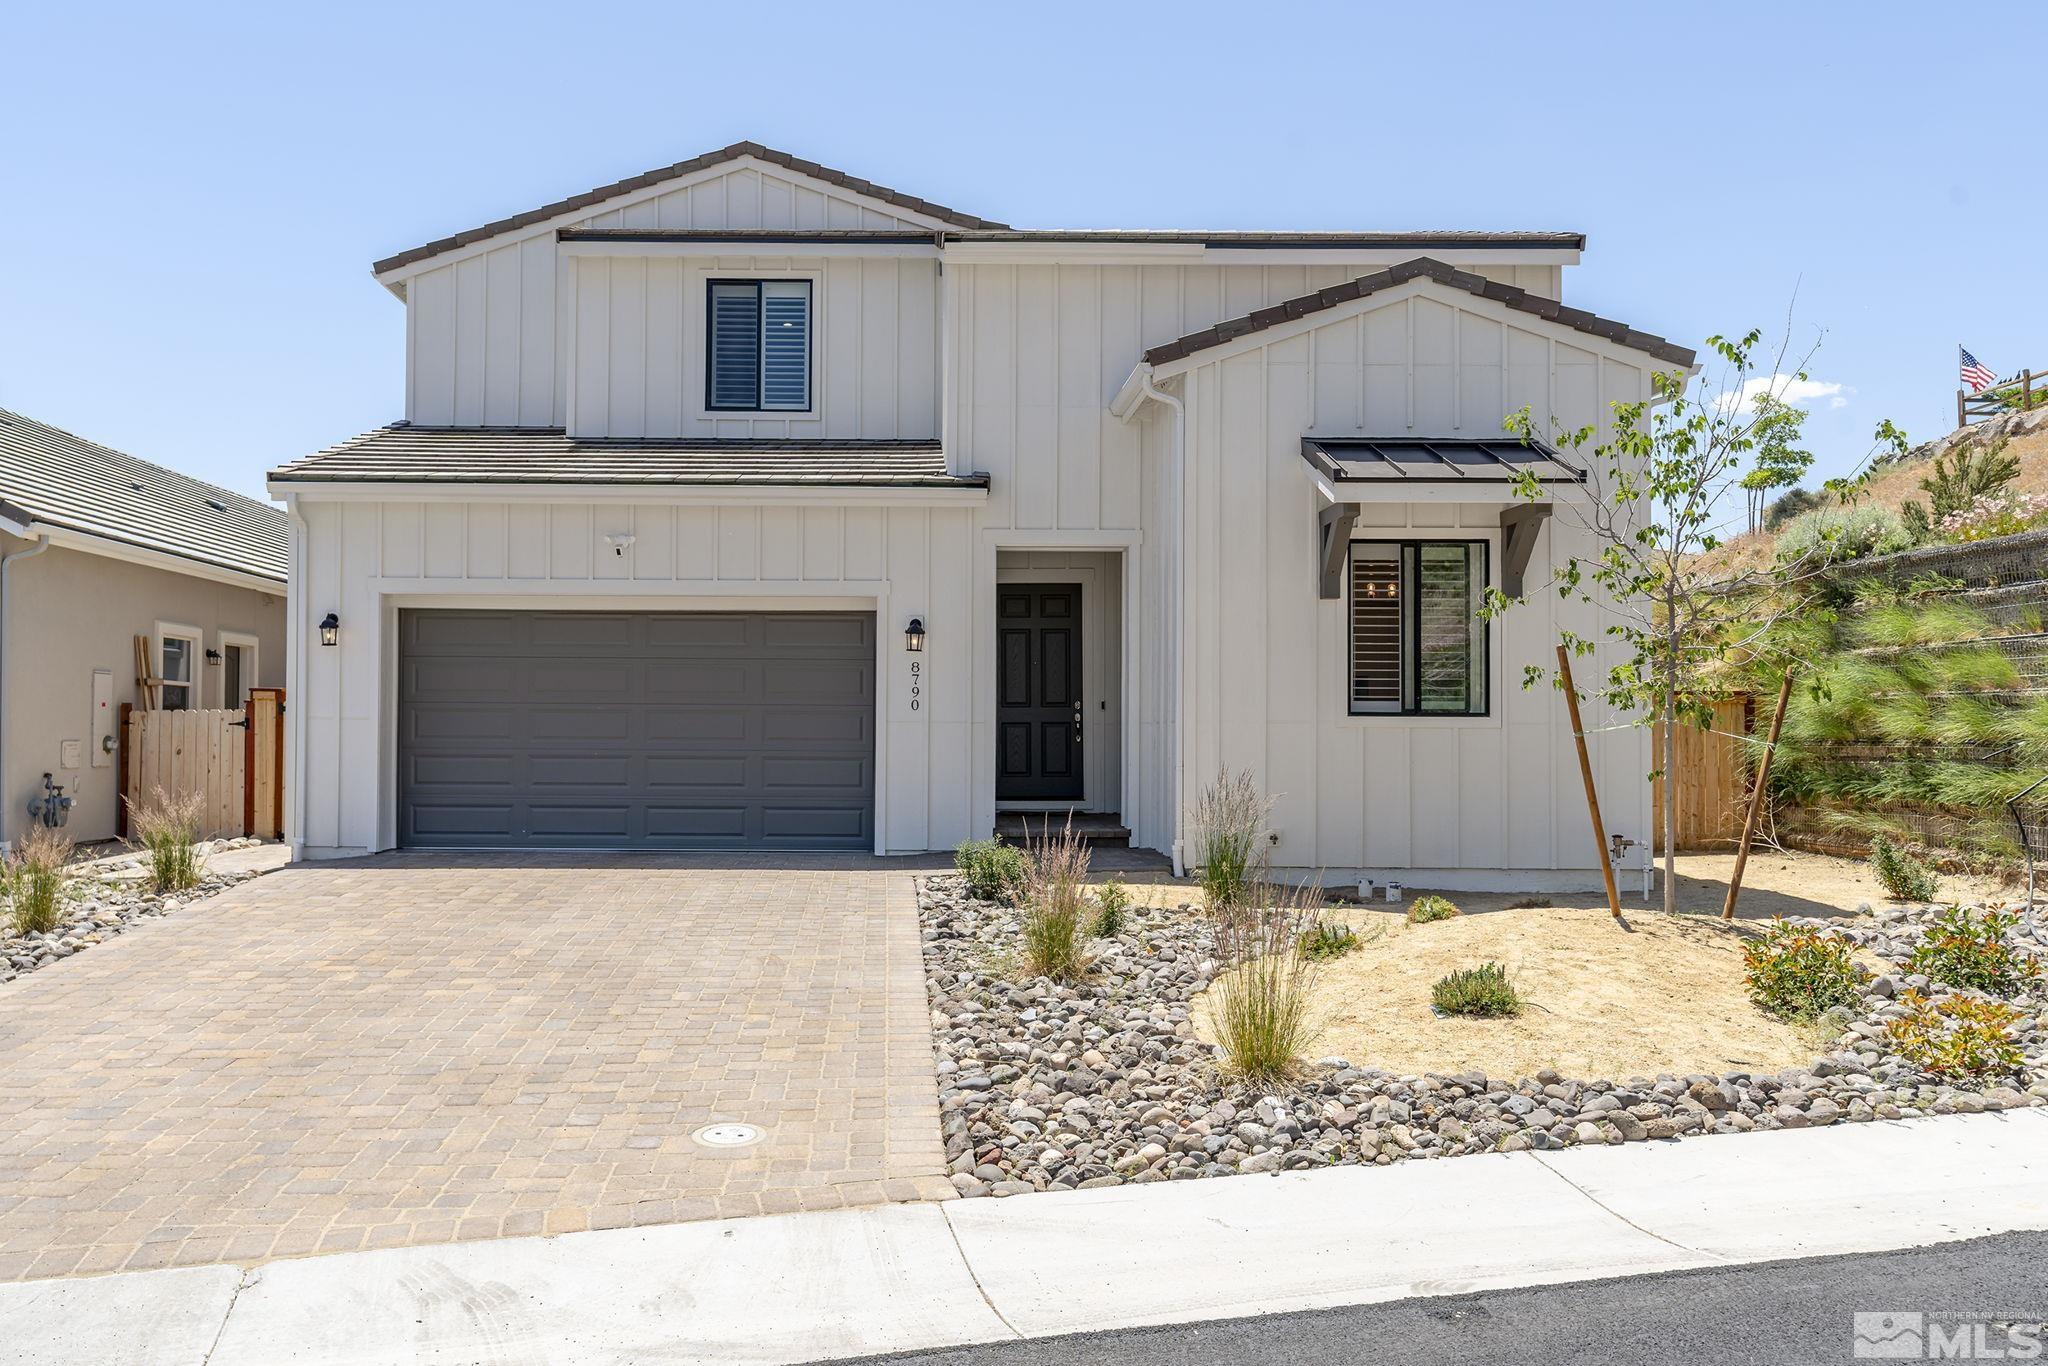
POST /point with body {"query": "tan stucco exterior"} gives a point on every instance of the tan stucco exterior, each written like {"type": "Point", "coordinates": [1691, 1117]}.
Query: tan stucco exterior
{"type": "Point", "coordinates": [69, 612]}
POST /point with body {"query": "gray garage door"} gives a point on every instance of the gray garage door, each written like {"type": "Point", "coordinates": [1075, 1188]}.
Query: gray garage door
{"type": "Point", "coordinates": [698, 730]}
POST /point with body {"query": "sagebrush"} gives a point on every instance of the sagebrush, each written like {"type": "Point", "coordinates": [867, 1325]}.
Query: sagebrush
{"type": "Point", "coordinates": [167, 828]}
{"type": "Point", "coordinates": [1796, 973]}
{"type": "Point", "coordinates": [1485, 991]}
{"type": "Point", "coordinates": [1055, 905]}
{"type": "Point", "coordinates": [34, 876]}
{"type": "Point", "coordinates": [993, 871]}
{"type": "Point", "coordinates": [1969, 949]}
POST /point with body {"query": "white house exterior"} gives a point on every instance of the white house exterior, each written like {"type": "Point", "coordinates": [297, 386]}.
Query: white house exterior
{"type": "Point", "coordinates": [684, 457]}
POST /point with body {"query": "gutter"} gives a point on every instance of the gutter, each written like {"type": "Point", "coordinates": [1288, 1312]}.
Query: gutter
{"type": "Point", "coordinates": [7, 634]}
{"type": "Point", "coordinates": [1178, 614]}
{"type": "Point", "coordinates": [295, 682]}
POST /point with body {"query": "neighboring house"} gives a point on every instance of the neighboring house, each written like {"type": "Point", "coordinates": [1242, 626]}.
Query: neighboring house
{"type": "Point", "coordinates": [100, 548]}
{"type": "Point", "coordinates": [687, 458]}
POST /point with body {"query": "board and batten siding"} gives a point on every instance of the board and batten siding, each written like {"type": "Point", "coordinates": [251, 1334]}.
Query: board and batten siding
{"type": "Point", "coordinates": [1267, 659]}
{"type": "Point", "coordinates": [1041, 350]}
{"type": "Point", "coordinates": [365, 560]}
{"type": "Point", "coordinates": [483, 345]}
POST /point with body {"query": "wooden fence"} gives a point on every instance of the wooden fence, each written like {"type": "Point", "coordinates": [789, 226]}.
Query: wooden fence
{"type": "Point", "coordinates": [232, 760]}
{"type": "Point", "coordinates": [2024, 391]}
{"type": "Point", "coordinates": [1711, 779]}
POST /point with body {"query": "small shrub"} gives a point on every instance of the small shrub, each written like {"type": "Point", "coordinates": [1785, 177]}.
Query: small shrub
{"type": "Point", "coordinates": [1904, 877]}
{"type": "Point", "coordinates": [34, 877]}
{"type": "Point", "coordinates": [168, 829]}
{"type": "Point", "coordinates": [1530, 903]}
{"type": "Point", "coordinates": [994, 871]}
{"type": "Point", "coordinates": [1260, 1003]}
{"type": "Point", "coordinates": [1829, 534]}
{"type": "Point", "coordinates": [1329, 939]}
{"type": "Point", "coordinates": [1965, 950]}
{"type": "Point", "coordinates": [1796, 973]}
{"type": "Point", "coordinates": [1055, 905]}
{"type": "Point", "coordinates": [1111, 902]}
{"type": "Point", "coordinates": [1227, 821]}
{"type": "Point", "coordinates": [1428, 909]}
{"type": "Point", "coordinates": [1485, 991]}
{"type": "Point", "coordinates": [1958, 1037]}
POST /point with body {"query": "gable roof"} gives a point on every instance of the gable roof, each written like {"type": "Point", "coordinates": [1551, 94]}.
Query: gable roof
{"type": "Point", "coordinates": [52, 478]}
{"type": "Point", "coordinates": [1422, 267]}
{"type": "Point", "coordinates": [592, 198]}
{"type": "Point", "coordinates": [403, 453]}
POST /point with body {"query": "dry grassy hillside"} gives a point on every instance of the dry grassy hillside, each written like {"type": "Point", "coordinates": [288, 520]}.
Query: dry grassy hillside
{"type": "Point", "coordinates": [1899, 483]}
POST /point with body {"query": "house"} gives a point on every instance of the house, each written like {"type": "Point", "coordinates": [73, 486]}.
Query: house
{"type": "Point", "coordinates": [97, 548]}
{"type": "Point", "coordinates": [746, 503]}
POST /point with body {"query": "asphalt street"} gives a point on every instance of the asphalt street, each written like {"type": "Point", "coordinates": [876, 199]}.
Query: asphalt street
{"type": "Point", "coordinates": [1770, 1314]}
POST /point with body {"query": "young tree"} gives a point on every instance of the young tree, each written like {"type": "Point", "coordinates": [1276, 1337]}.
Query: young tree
{"type": "Point", "coordinates": [1956, 484]}
{"type": "Point", "coordinates": [1655, 489]}
{"type": "Point", "coordinates": [1779, 461]}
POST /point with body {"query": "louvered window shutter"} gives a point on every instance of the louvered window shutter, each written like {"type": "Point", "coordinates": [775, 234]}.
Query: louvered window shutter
{"type": "Point", "coordinates": [786, 344]}
{"type": "Point", "coordinates": [1375, 628]}
{"type": "Point", "coordinates": [735, 345]}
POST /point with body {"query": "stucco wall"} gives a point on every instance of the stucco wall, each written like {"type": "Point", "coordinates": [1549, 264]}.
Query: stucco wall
{"type": "Point", "coordinates": [69, 613]}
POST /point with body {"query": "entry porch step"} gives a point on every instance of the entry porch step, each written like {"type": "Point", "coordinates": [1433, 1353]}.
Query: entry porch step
{"type": "Point", "coordinates": [1100, 830]}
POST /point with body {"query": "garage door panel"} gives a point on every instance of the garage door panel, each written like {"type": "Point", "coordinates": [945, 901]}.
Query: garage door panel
{"type": "Point", "coordinates": [694, 681]}
{"type": "Point", "coordinates": [459, 723]}
{"type": "Point", "coordinates": [728, 773]}
{"type": "Point", "coordinates": [612, 729]}
{"type": "Point", "coordinates": [716, 632]}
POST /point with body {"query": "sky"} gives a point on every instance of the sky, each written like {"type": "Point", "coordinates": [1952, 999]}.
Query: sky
{"type": "Point", "coordinates": [191, 196]}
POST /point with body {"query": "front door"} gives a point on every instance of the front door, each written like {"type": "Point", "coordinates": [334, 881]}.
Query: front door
{"type": "Point", "coordinates": [1038, 692]}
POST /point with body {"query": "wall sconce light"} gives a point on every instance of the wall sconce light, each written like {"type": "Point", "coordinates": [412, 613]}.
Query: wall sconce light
{"type": "Point", "coordinates": [330, 629]}
{"type": "Point", "coordinates": [913, 636]}
{"type": "Point", "coordinates": [213, 656]}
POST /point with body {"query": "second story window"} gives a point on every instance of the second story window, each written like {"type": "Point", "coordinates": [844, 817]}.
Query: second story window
{"type": "Point", "coordinates": [759, 348]}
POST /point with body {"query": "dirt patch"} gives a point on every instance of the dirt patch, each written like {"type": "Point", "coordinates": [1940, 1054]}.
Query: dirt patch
{"type": "Point", "coordinates": [1666, 996]}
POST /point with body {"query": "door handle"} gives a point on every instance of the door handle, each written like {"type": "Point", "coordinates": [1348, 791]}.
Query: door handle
{"type": "Point", "coordinates": [1077, 721]}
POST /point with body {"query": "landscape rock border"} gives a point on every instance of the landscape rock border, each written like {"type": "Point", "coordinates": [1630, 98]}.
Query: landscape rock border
{"type": "Point", "coordinates": [104, 898]}
{"type": "Point", "coordinates": [1044, 1086]}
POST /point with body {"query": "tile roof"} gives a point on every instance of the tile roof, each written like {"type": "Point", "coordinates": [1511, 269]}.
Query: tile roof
{"type": "Point", "coordinates": [403, 453]}
{"type": "Point", "coordinates": [1422, 267]}
{"type": "Point", "coordinates": [592, 198]}
{"type": "Point", "coordinates": [66, 481]}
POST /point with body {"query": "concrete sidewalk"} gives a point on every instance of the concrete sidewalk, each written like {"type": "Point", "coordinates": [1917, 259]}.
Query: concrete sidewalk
{"type": "Point", "coordinates": [805, 1287]}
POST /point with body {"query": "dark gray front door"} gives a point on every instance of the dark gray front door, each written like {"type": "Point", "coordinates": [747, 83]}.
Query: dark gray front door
{"type": "Point", "coordinates": [1038, 692]}
{"type": "Point", "coordinates": [684, 730]}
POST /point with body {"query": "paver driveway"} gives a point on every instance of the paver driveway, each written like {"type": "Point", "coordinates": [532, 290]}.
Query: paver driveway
{"type": "Point", "coordinates": [414, 1049]}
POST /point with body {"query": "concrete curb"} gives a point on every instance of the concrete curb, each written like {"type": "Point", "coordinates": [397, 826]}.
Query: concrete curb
{"type": "Point", "coordinates": [808, 1287]}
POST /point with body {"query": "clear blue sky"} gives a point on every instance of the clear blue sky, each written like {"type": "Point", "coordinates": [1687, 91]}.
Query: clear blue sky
{"type": "Point", "coordinates": [193, 194]}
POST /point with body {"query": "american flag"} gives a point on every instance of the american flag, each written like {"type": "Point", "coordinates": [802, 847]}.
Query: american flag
{"type": "Point", "coordinates": [1976, 373]}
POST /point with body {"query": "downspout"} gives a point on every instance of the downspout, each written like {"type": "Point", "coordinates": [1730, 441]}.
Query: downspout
{"type": "Point", "coordinates": [295, 683]}
{"type": "Point", "coordinates": [9, 658]}
{"type": "Point", "coordinates": [1177, 616]}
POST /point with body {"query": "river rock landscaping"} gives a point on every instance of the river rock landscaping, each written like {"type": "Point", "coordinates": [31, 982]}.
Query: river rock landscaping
{"type": "Point", "coordinates": [1045, 1086]}
{"type": "Point", "coordinates": [104, 899]}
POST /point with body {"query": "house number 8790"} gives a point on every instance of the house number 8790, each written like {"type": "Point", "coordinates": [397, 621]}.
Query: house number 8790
{"type": "Point", "coordinates": [916, 684]}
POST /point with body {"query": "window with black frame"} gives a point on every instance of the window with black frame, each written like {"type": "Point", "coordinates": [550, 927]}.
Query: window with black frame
{"type": "Point", "coordinates": [1418, 647]}
{"type": "Point", "coordinates": [758, 348]}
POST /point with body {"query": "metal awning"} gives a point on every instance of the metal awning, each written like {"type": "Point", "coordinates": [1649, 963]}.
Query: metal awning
{"type": "Point", "coordinates": [1402, 461]}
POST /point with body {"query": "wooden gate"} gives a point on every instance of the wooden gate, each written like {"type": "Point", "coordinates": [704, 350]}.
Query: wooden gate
{"type": "Point", "coordinates": [232, 760]}
{"type": "Point", "coordinates": [1712, 779]}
